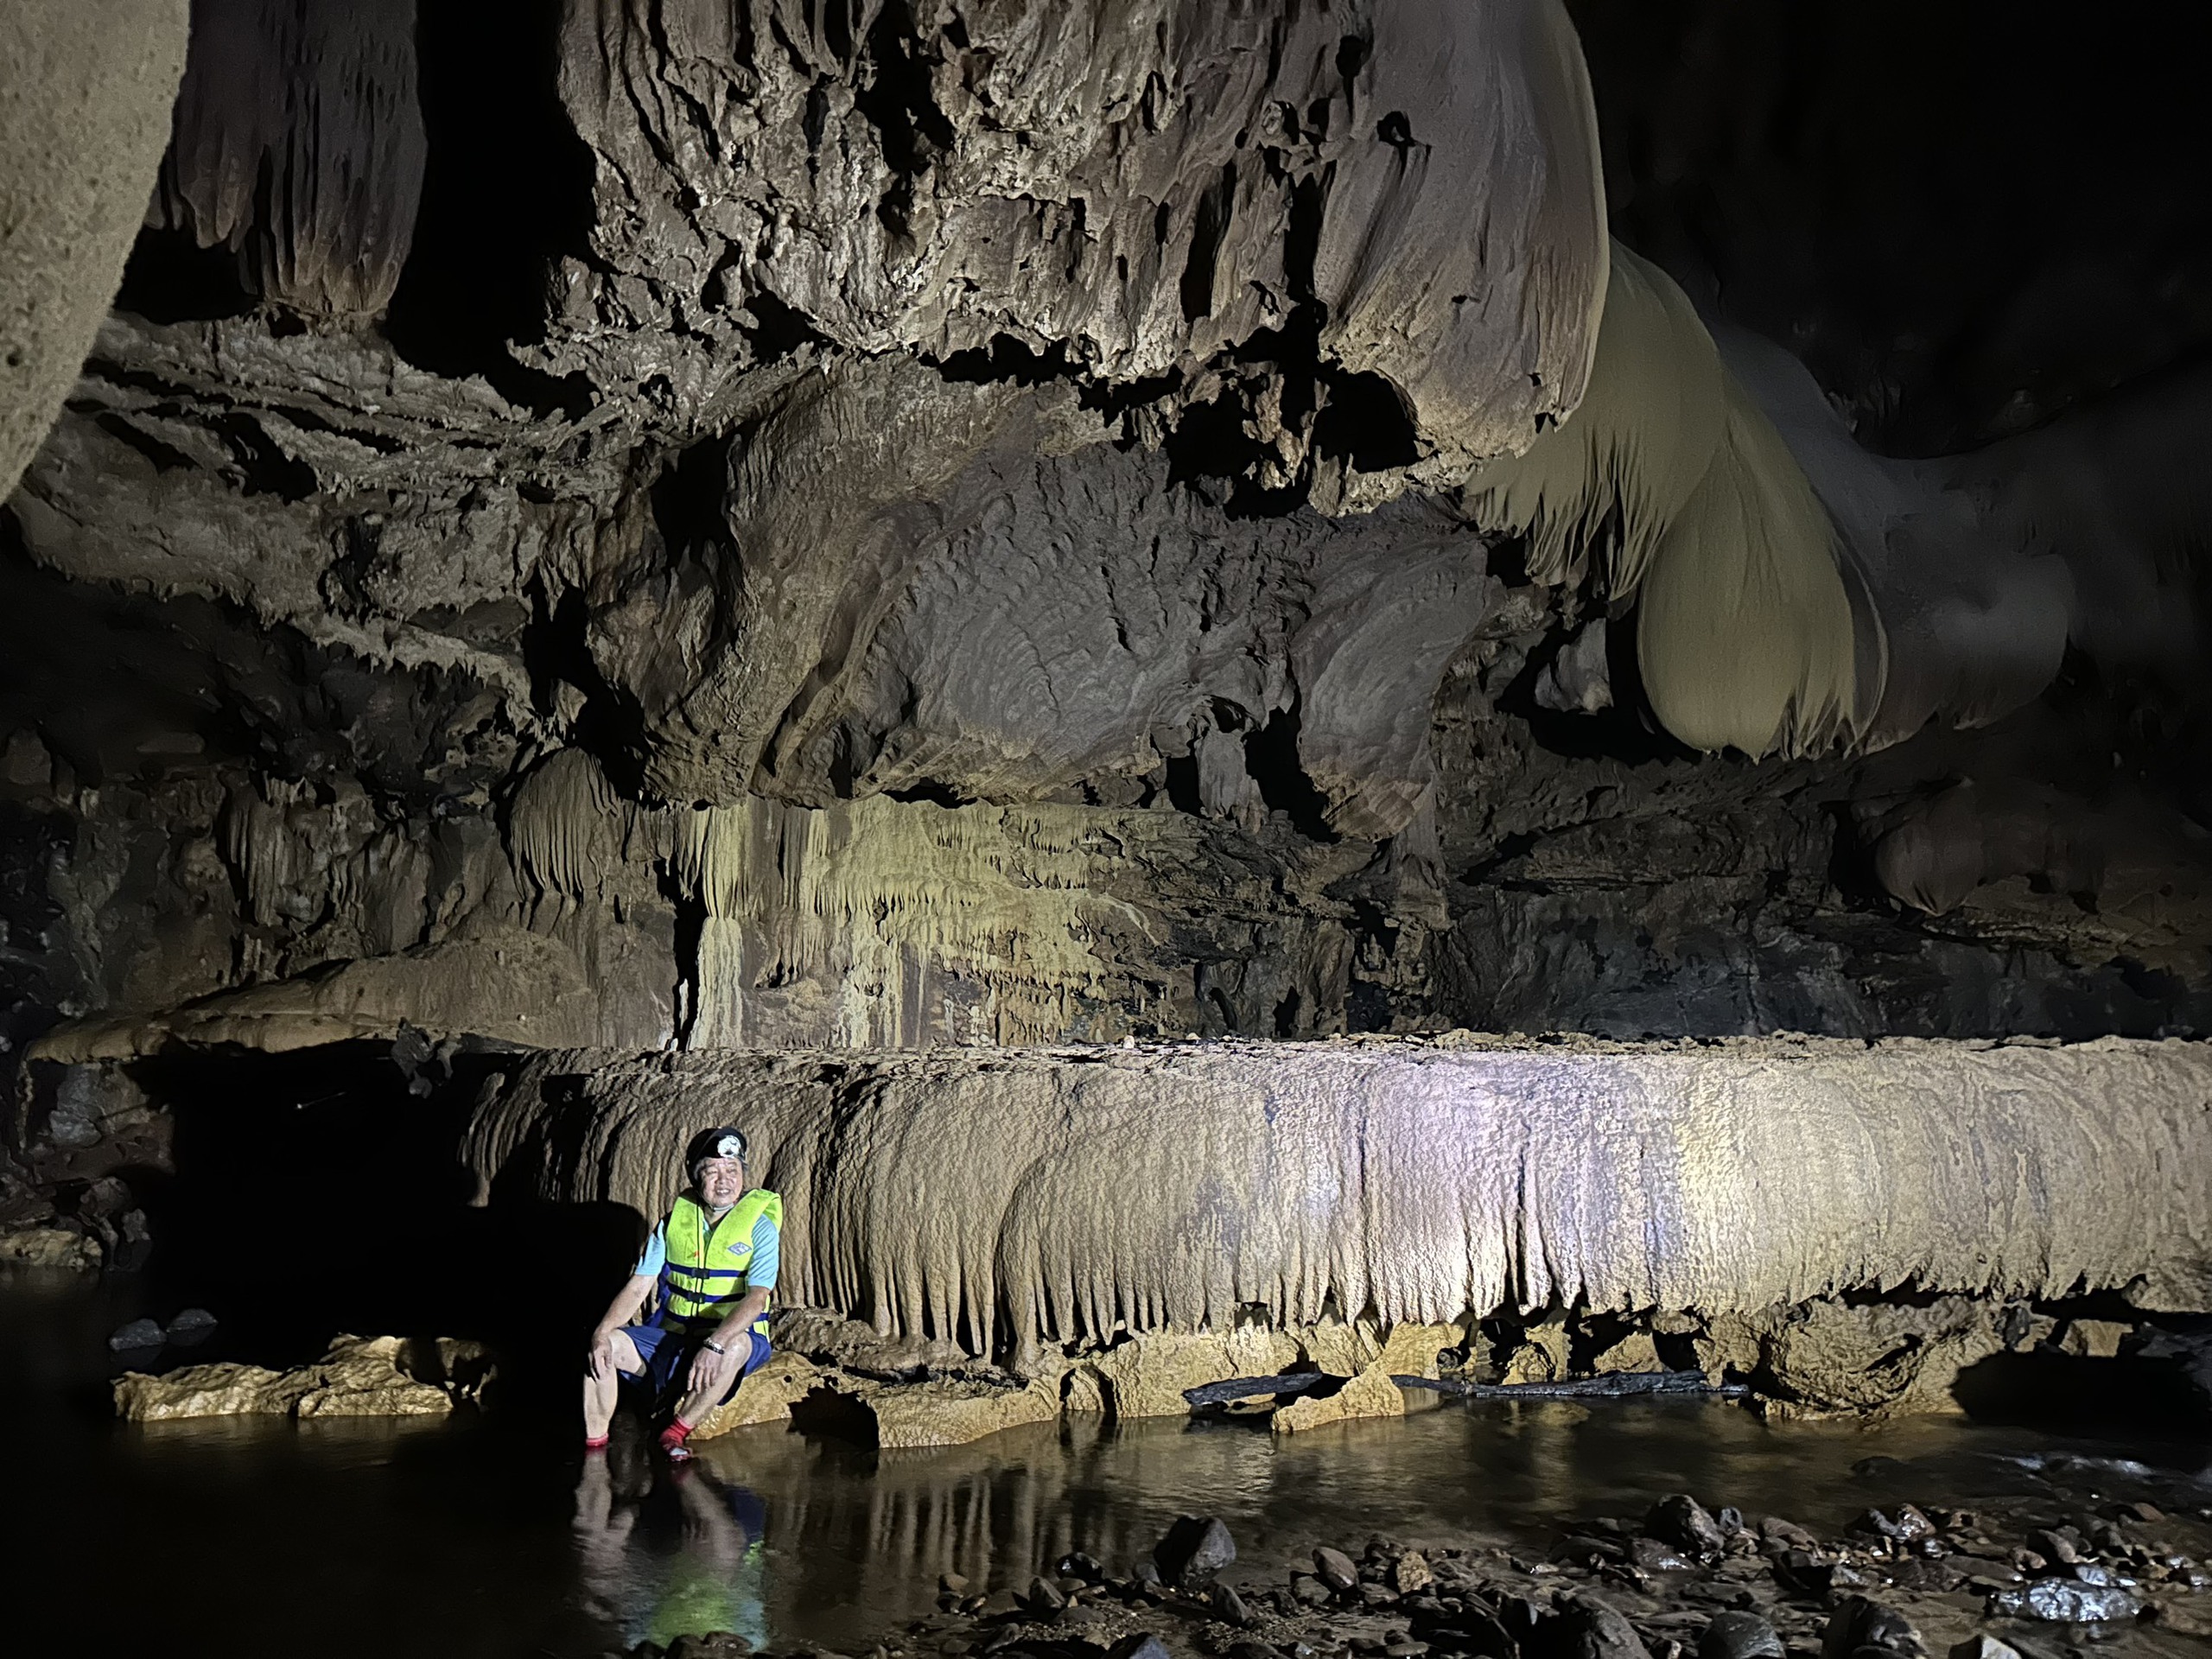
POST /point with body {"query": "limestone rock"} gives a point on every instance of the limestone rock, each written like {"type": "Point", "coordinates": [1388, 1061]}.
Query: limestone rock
{"type": "Point", "coordinates": [1540, 1356]}
{"type": "Point", "coordinates": [766, 1396]}
{"type": "Point", "coordinates": [2093, 1338]}
{"type": "Point", "coordinates": [373, 1377]}
{"type": "Point", "coordinates": [48, 1247]}
{"type": "Point", "coordinates": [1144, 1376]}
{"type": "Point", "coordinates": [1634, 1353]}
{"type": "Point", "coordinates": [1411, 1348]}
{"type": "Point", "coordinates": [1878, 1361]}
{"type": "Point", "coordinates": [831, 1339]}
{"type": "Point", "coordinates": [1370, 1393]}
{"type": "Point", "coordinates": [948, 1411]}
{"type": "Point", "coordinates": [1339, 1349]}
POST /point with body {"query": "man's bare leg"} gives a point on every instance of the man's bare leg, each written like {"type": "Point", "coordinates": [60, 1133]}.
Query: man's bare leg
{"type": "Point", "coordinates": [698, 1403]}
{"type": "Point", "coordinates": [603, 1383]}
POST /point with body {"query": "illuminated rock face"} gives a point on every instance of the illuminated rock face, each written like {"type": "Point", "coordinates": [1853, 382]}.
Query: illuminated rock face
{"type": "Point", "coordinates": [743, 531]}
{"type": "Point", "coordinates": [371, 1376]}
{"type": "Point", "coordinates": [1011, 1201]}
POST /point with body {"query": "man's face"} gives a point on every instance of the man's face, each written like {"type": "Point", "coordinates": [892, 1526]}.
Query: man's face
{"type": "Point", "coordinates": [722, 1182]}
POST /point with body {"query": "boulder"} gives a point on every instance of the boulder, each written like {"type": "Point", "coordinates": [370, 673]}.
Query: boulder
{"type": "Point", "coordinates": [2093, 1338]}
{"type": "Point", "coordinates": [945, 1411]}
{"type": "Point", "coordinates": [1370, 1393]}
{"type": "Point", "coordinates": [766, 1396]}
{"type": "Point", "coordinates": [1145, 1375]}
{"type": "Point", "coordinates": [1411, 1350]}
{"type": "Point", "coordinates": [1635, 1353]}
{"type": "Point", "coordinates": [48, 1247]}
{"type": "Point", "coordinates": [1540, 1356]}
{"type": "Point", "coordinates": [1738, 1635]}
{"type": "Point", "coordinates": [357, 1376]}
{"type": "Point", "coordinates": [1193, 1550]}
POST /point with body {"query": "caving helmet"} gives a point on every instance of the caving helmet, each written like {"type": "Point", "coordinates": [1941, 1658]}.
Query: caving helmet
{"type": "Point", "coordinates": [725, 1142]}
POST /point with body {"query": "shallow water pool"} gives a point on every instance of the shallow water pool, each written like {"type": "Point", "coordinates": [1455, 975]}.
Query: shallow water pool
{"type": "Point", "coordinates": [481, 1535]}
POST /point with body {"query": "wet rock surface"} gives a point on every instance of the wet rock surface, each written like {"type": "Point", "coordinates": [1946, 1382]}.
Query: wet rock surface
{"type": "Point", "coordinates": [373, 1376]}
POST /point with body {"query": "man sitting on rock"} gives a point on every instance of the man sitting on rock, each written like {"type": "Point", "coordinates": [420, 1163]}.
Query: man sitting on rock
{"type": "Point", "coordinates": [712, 1262]}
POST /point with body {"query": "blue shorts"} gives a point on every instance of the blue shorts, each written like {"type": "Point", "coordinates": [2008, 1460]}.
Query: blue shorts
{"type": "Point", "coordinates": [668, 1353]}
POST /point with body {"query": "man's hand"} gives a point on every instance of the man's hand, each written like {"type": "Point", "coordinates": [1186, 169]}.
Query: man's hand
{"type": "Point", "coordinates": [599, 1361]}
{"type": "Point", "coordinates": [711, 1372]}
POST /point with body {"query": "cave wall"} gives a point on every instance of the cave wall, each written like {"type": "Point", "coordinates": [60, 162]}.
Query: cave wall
{"type": "Point", "coordinates": [784, 526]}
{"type": "Point", "coordinates": [1008, 1201]}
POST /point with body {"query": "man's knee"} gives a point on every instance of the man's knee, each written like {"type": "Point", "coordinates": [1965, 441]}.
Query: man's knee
{"type": "Point", "coordinates": [626, 1358]}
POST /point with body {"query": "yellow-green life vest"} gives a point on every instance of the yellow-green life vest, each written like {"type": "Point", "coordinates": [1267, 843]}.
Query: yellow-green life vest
{"type": "Point", "coordinates": [705, 1275]}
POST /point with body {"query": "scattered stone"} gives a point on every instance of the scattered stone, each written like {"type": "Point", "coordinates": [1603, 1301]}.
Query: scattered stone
{"type": "Point", "coordinates": [1043, 1597]}
{"type": "Point", "coordinates": [1335, 1569]}
{"type": "Point", "coordinates": [1307, 1590]}
{"type": "Point", "coordinates": [1739, 1636]}
{"type": "Point", "coordinates": [1410, 1572]}
{"type": "Point", "coordinates": [1587, 1626]}
{"type": "Point", "coordinates": [139, 1333]}
{"type": "Point", "coordinates": [1193, 1550]}
{"type": "Point", "coordinates": [2066, 1601]}
{"type": "Point", "coordinates": [1984, 1647]}
{"type": "Point", "coordinates": [194, 1325]}
{"type": "Point", "coordinates": [2148, 1513]}
{"type": "Point", "coordinates": [1859, 1624]}
{"type": "Point", "coordinates": [2060, 1544]}
{"type": "Point", "coordinates": [1909, 1525]}
{"type": "Point", "coordinates": [953, 1583]}
{"type": "Point", "coordinates": [1077, 1565]}
{"type": "Point", "coordinates": [1650, 1555]}
{"type": "Point", "coordinates": [1786, 1534]}
{"type": "Point", "coordinates": [1140, 1646]}
{"type": "Point", "coordinates": [1682, 1521]}
{"type": "Point", "coordinates": [2183, 1618]}
{"type": "Point", "coordinates": [1228, 1606]}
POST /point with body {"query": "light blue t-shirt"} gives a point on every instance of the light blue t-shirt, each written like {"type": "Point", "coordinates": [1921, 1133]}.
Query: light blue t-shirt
{"type": "Point", "coordinates": [767, 1255]}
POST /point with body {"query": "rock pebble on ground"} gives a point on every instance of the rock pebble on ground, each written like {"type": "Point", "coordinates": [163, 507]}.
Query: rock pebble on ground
{"type": "Point", "coordinates": [1916, 1581]}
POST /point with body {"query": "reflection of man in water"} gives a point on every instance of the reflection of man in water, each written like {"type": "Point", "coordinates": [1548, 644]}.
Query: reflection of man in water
{"type": "Point", "coordinates": [715, 1580]}
{"type": "Point", "coordinates": [712, 1262]}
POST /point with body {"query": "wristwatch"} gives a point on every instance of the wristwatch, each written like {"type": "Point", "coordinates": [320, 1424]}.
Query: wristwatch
{"type": "Point", "coordinates": [712, 1346]}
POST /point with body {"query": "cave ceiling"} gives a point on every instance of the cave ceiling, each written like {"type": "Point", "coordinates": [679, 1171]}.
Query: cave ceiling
{"type": "Point", "coordinates": [684, 524]}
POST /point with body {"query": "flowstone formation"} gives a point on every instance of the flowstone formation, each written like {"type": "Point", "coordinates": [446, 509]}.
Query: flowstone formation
{"type": "Point", "coordinates": [1128, 1224]}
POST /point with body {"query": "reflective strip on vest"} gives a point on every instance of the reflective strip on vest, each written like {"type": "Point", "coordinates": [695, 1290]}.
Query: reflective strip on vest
{"type": "Point", "coordinates": [705, 1274]}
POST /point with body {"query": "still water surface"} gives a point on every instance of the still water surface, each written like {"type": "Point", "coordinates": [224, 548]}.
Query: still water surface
{"type": "Point", "coordinates": [492, 1536]}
